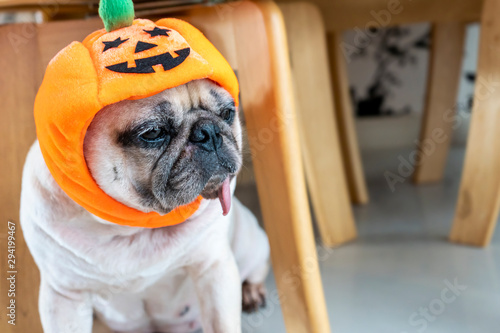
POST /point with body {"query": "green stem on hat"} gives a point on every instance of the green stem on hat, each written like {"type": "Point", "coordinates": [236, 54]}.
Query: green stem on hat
{"type": "Point", "coordinates": [116, 14]}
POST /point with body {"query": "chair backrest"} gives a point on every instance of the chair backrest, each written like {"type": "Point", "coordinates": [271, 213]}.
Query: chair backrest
{"type": "Point", "coordinates": [347, 14]}
{"type": "Point", "coordinates": [18, 84]}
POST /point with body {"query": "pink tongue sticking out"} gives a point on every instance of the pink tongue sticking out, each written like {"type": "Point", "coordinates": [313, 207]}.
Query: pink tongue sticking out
{"type": "Point", "coordinates": [225, 196]}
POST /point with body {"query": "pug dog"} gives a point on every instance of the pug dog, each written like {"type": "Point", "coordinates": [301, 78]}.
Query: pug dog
{"type": "Point", "coordinates": [151, 154]}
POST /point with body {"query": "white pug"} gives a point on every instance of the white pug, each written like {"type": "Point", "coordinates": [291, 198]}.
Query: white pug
{"type": "Point", "coordinates": [152, 154]}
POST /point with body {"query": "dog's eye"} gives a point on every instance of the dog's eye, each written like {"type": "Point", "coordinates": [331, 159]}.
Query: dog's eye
{"type": "Point", "coordinates": [153, 135]}
{"type": "Point", "coordinates": [227, 115]}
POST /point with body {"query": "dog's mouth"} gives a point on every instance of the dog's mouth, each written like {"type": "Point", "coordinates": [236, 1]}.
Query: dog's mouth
{"type": "Point", "coordinates": [220, 190]}
{"type": "Point", "coordinates": [206, 175]}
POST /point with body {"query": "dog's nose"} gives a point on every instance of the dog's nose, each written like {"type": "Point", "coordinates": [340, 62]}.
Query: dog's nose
{"type": "Point", "coordinates": [206, 135]}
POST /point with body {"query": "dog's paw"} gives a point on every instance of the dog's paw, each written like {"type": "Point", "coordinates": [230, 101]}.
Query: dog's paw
{"type": "Point", "coordinates": [253, 296]}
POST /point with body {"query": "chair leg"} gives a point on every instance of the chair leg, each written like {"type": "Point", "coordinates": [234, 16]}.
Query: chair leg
{"type": "Point", "coordinates": [321, 150]}
{"type": "Point", "coordinates": [442, 85]}
{"type": "Point", "coordinates": [479, 195]}
{"type": "Point", "coordinates": [345, 116]}
{"type": "Point", "coordinates": [268, 104]}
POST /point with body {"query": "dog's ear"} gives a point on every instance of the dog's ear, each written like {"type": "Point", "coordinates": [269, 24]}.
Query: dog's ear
{"type": "Point", "coordinates": [65, 105]}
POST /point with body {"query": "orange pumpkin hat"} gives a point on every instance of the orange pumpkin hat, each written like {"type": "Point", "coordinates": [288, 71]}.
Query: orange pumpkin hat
{"type": "Point", "coordinates": [132, 60]}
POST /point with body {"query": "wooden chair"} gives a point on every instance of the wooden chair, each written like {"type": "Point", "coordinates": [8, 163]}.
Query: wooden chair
{"type": "Point", "coordinates": [319, 130]}
{"type": "Point", "coordinates": [253, 39]}
{"type": "Point", "coordinates": [449, 19]}
{"type": "Point", "coordinates": [479, 195]}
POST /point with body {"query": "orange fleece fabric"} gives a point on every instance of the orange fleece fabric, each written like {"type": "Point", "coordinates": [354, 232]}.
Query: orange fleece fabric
{"type": "Point", "coordinates": [129, 63]}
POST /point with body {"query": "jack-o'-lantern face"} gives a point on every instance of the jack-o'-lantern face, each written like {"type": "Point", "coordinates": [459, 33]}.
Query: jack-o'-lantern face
{"type": "Point", "coordinates": [143, 55]}
{"type": "Point", "coordinates": [145, 65]}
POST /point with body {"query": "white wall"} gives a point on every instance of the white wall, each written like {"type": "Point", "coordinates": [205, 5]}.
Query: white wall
{"type": "Point", "coordinates": [402, 129]}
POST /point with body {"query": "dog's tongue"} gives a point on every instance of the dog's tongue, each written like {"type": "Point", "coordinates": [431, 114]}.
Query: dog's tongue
{"type": "Point", "coordinates": [225, 197]}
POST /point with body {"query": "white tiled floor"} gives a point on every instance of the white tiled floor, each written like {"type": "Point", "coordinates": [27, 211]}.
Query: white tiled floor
{"type": "Point", "coordinates": [402, 263]}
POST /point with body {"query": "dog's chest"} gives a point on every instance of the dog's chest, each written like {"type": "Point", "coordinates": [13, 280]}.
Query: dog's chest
{"type": "Point", "coordinates": [139, 259]}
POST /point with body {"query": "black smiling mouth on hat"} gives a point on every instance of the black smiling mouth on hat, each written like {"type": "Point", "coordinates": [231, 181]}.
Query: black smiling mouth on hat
{"type": "Point", "coordinates": [145, 65]}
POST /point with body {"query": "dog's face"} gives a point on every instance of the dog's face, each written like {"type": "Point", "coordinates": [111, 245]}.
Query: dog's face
{"type": "Point", "coordinates": [161, 152]}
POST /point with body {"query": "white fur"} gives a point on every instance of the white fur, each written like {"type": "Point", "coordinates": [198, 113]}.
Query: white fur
{"type": "Point", "coordinates": [137, 279]}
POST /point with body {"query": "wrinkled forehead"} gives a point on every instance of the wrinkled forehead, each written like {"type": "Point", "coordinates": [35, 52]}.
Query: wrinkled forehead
{"type": "Point", "coordinates": [177, 102]}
